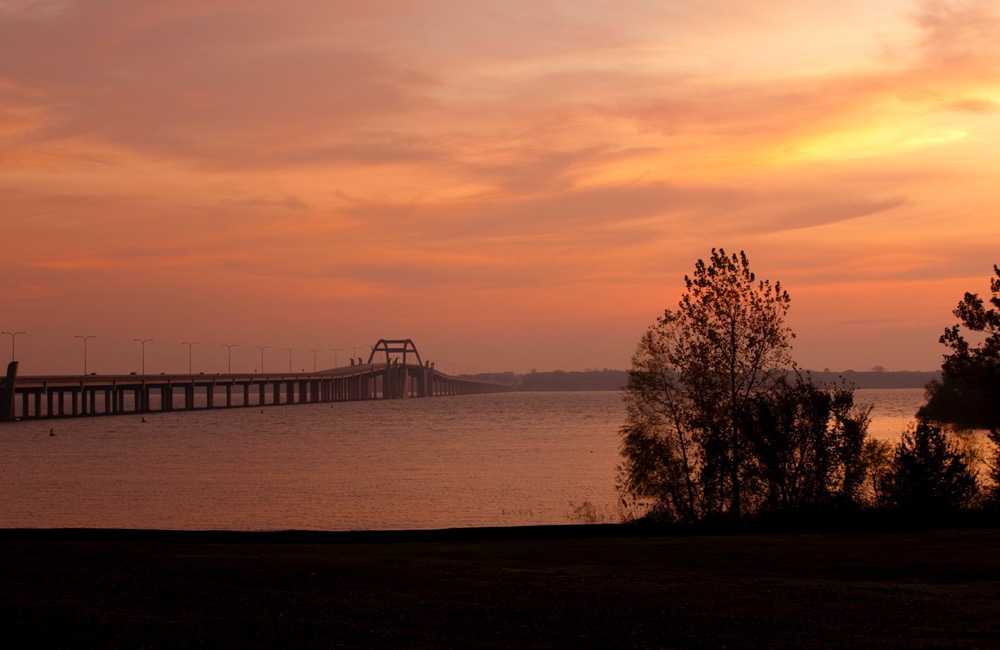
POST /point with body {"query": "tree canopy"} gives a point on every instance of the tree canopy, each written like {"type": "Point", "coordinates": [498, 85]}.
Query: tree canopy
{"type": "Point", "coordinates": [968, 394]}
{"type": "Point", "coordinates": [714, 425]}
{"type": "Point", "coordinates": [930, 475]}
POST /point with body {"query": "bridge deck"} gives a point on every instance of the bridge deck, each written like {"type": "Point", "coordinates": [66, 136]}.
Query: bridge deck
{"type": "Point", "coordinates": [89, 395]}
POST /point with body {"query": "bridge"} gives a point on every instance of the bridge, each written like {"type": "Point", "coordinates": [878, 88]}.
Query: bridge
{"type": "Point", "coordinates": [388, 374]}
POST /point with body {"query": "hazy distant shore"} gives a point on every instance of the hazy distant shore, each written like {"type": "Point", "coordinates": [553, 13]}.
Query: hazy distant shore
{"type": "Point", "coordinates": [563, 586]}
{"type": "Point", "coordinates": [616, 379]}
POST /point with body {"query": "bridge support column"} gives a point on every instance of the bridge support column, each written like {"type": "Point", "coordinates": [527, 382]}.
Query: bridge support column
{"type": "Point", "coordinates": [425, 383]}
{"type": "Point", "coordinates": [7, 392]}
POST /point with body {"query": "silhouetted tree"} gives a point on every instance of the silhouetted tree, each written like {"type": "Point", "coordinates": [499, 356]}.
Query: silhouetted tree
{"type": "Point", "coordinates": [929, 475]}
{"type": "Point", "coordinates": [806, 446]}
{"type": "Point", "coordinates": [877, 458]}
{"type": "Point", "coordinates": [968, 394]}
{"type": "Point", "coordinates": [694, 375]}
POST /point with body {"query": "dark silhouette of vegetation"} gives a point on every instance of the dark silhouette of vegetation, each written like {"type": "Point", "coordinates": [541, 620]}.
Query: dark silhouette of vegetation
{"type": "Point", "coordinates": [878, 459]}
{"type": "Point", "coordinates": [806, 446]}
{"type": "Point", "coordinates": [875, 378]}
{"type": "Point", "coordinates": [718, 424]}
{"type": "Point", "coordinates": [721, 424]}
{"type": "Point", "coordinates": [558, 380]}
{"type": "Point", "coordinates": [929, 474]}
{"type": "Point", "coordinates": [968, 394]}
{"type": "Point", "coordinates": [609, 380]}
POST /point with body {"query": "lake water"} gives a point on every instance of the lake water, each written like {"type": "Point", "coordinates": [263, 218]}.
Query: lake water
{"type": "Point", "coordinates": [506, 459]}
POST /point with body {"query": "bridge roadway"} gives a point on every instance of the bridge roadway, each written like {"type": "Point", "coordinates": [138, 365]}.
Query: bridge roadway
{"type": "Point", "coordinates": [87, 395]}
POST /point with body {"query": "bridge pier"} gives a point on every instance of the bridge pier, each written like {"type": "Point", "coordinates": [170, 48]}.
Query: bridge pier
{"type": "Point", "coordinates": [7, 392]}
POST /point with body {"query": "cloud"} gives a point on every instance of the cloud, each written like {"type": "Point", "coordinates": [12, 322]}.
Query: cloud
{"type": "Point", "coordinates": [227, 85]}
{"type": "Point", "coordinates": [957, 32]}
{"type": "Point", "coordinates": [210, 84]}
{"type": "Point", "coordinates": [820, 210]}
{"type": "Point", "coordinates": [574, 158]}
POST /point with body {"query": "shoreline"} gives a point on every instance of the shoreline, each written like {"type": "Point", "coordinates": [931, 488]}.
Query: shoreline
{"type": "Point", "coordinates": [862, 522]}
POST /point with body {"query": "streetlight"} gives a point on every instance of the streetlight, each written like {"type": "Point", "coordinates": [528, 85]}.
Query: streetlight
{"type": "Point", "coordinates": [314, 351]}
{"type": "Point", "coordinates": [91, 336]}
{"type": "Point", "coordinates": [143, 342]}
{"type": "Point", "coordinates": [262, 348]}
{"type": "Point", "coordinates": [355, 348]}
{"type": "Point", "coordinates": [229, 347]}
{"type": "Point", "coordinates": [189, 344]}
{"type": "Point", "coordinates": [290, 357]}
{"type": "Point", "coordinates": [13, 335]}
{"type": "Point", "coordinates": [335, 351]}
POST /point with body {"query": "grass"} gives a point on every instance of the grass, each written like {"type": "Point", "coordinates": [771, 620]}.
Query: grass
{"type": "Point", "coordinates": [562, 586]}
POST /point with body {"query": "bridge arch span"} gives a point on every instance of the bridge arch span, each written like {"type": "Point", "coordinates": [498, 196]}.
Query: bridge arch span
{"type": "Point", "coordinates": [388, 347]}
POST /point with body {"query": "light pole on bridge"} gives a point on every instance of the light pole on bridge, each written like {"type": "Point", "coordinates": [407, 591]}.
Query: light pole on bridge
{"type": "Point", "coordinates": [355, 348]}
{"type": "Point", "coordinates": [335, 351]}
{"type": "Point", "coordinates": [314, 351]}
{"type": "Point", "coordinates": [85, 339]}
{"type": "Point", "coordinates": [229, 347]}
{"type": "Point", "coordinates": [290, 357]}
{"type": "Point", "coordinates": [13, 335]}
{"type": "Point", "coordinates": [262, 348]}
{"type": "Point", "coordinates": [143, 343]}
{"type": "Point", "coordinates": [190, 344]}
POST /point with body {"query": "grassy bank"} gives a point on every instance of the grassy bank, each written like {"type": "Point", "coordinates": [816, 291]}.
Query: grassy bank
{"type": "Point", "coordinates": [560, 586]}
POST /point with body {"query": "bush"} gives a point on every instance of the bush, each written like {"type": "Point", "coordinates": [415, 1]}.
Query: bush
{"type": "Point", "coordinates": [929, 474]}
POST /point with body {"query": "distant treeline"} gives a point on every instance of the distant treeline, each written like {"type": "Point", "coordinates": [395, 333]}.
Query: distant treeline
{"type": "Point", "coordinates": [877, 378]}
{"type": "Point", "coordinates": [558, 380]}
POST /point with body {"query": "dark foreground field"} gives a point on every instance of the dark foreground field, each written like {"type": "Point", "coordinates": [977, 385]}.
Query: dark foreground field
{"type": "Point", "coordinates": [524, 588]}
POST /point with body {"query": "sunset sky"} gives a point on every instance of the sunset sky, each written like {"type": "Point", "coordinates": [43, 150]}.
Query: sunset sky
{"type": "Point", "coordinates": [513, 185]}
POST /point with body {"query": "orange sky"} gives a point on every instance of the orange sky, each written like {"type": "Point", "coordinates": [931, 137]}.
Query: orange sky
{"type": "Point", "coordinates": [512, 185]}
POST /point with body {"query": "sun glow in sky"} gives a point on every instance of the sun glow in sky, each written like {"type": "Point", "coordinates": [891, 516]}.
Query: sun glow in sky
{"type": "Point", "coordinates": [512, 185]}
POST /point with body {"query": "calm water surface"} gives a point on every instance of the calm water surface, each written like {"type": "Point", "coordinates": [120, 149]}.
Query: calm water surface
{"type": "Point", "coordinates": [478, 460]}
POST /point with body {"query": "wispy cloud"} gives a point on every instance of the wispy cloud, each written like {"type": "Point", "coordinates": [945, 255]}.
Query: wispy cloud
{"type": "Point", "coordinates": [426, 152]}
